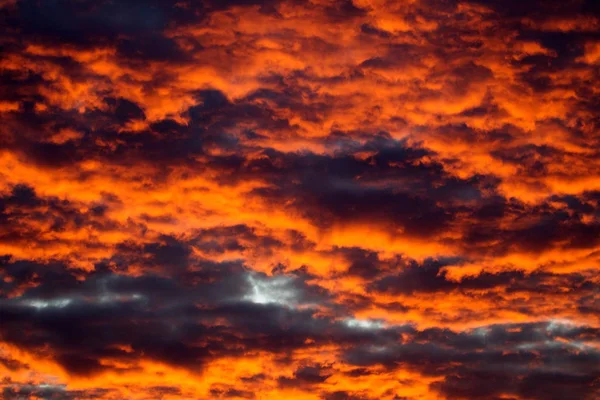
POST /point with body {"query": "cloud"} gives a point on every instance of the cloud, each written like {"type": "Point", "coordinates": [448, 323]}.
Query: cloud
{"type": "Point", "coordinates": [362, 199]}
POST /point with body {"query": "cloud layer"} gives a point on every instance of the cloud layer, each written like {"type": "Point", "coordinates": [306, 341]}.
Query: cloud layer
{"type": "Point", "coordinates": [358, 199]}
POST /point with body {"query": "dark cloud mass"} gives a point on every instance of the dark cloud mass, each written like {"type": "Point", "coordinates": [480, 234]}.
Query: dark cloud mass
{"type": "Point", "coordinates": [289, 199]}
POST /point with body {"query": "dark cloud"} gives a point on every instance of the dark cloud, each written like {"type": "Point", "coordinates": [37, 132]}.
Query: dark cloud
{"type": "Point", "coordinates": [54, 392]}
{"type": "Point", "coordinates": [306, 375]}
{"type": "Point", "coordinates": [326, 189]}
{"type": "Point", "coordinates": [341, 395]}
{"type": "Point", "coordinates": [124, 110]}
{"type": "Point", "coordinates": [162, 318]}
{"type": "Point", "coordinates": [228, 393]}
{"type": "Point", "coordinates": [495, 360]}
{"type": "Point", "coordinates": [431, 276]}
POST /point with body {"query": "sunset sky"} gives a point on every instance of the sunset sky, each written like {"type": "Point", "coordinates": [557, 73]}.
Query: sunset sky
{"type": "Point", "coordinates": [300, 199]}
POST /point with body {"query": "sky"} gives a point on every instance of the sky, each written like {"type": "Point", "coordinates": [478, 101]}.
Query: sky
{"type": "Point", "coordinates": [300, 199]}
